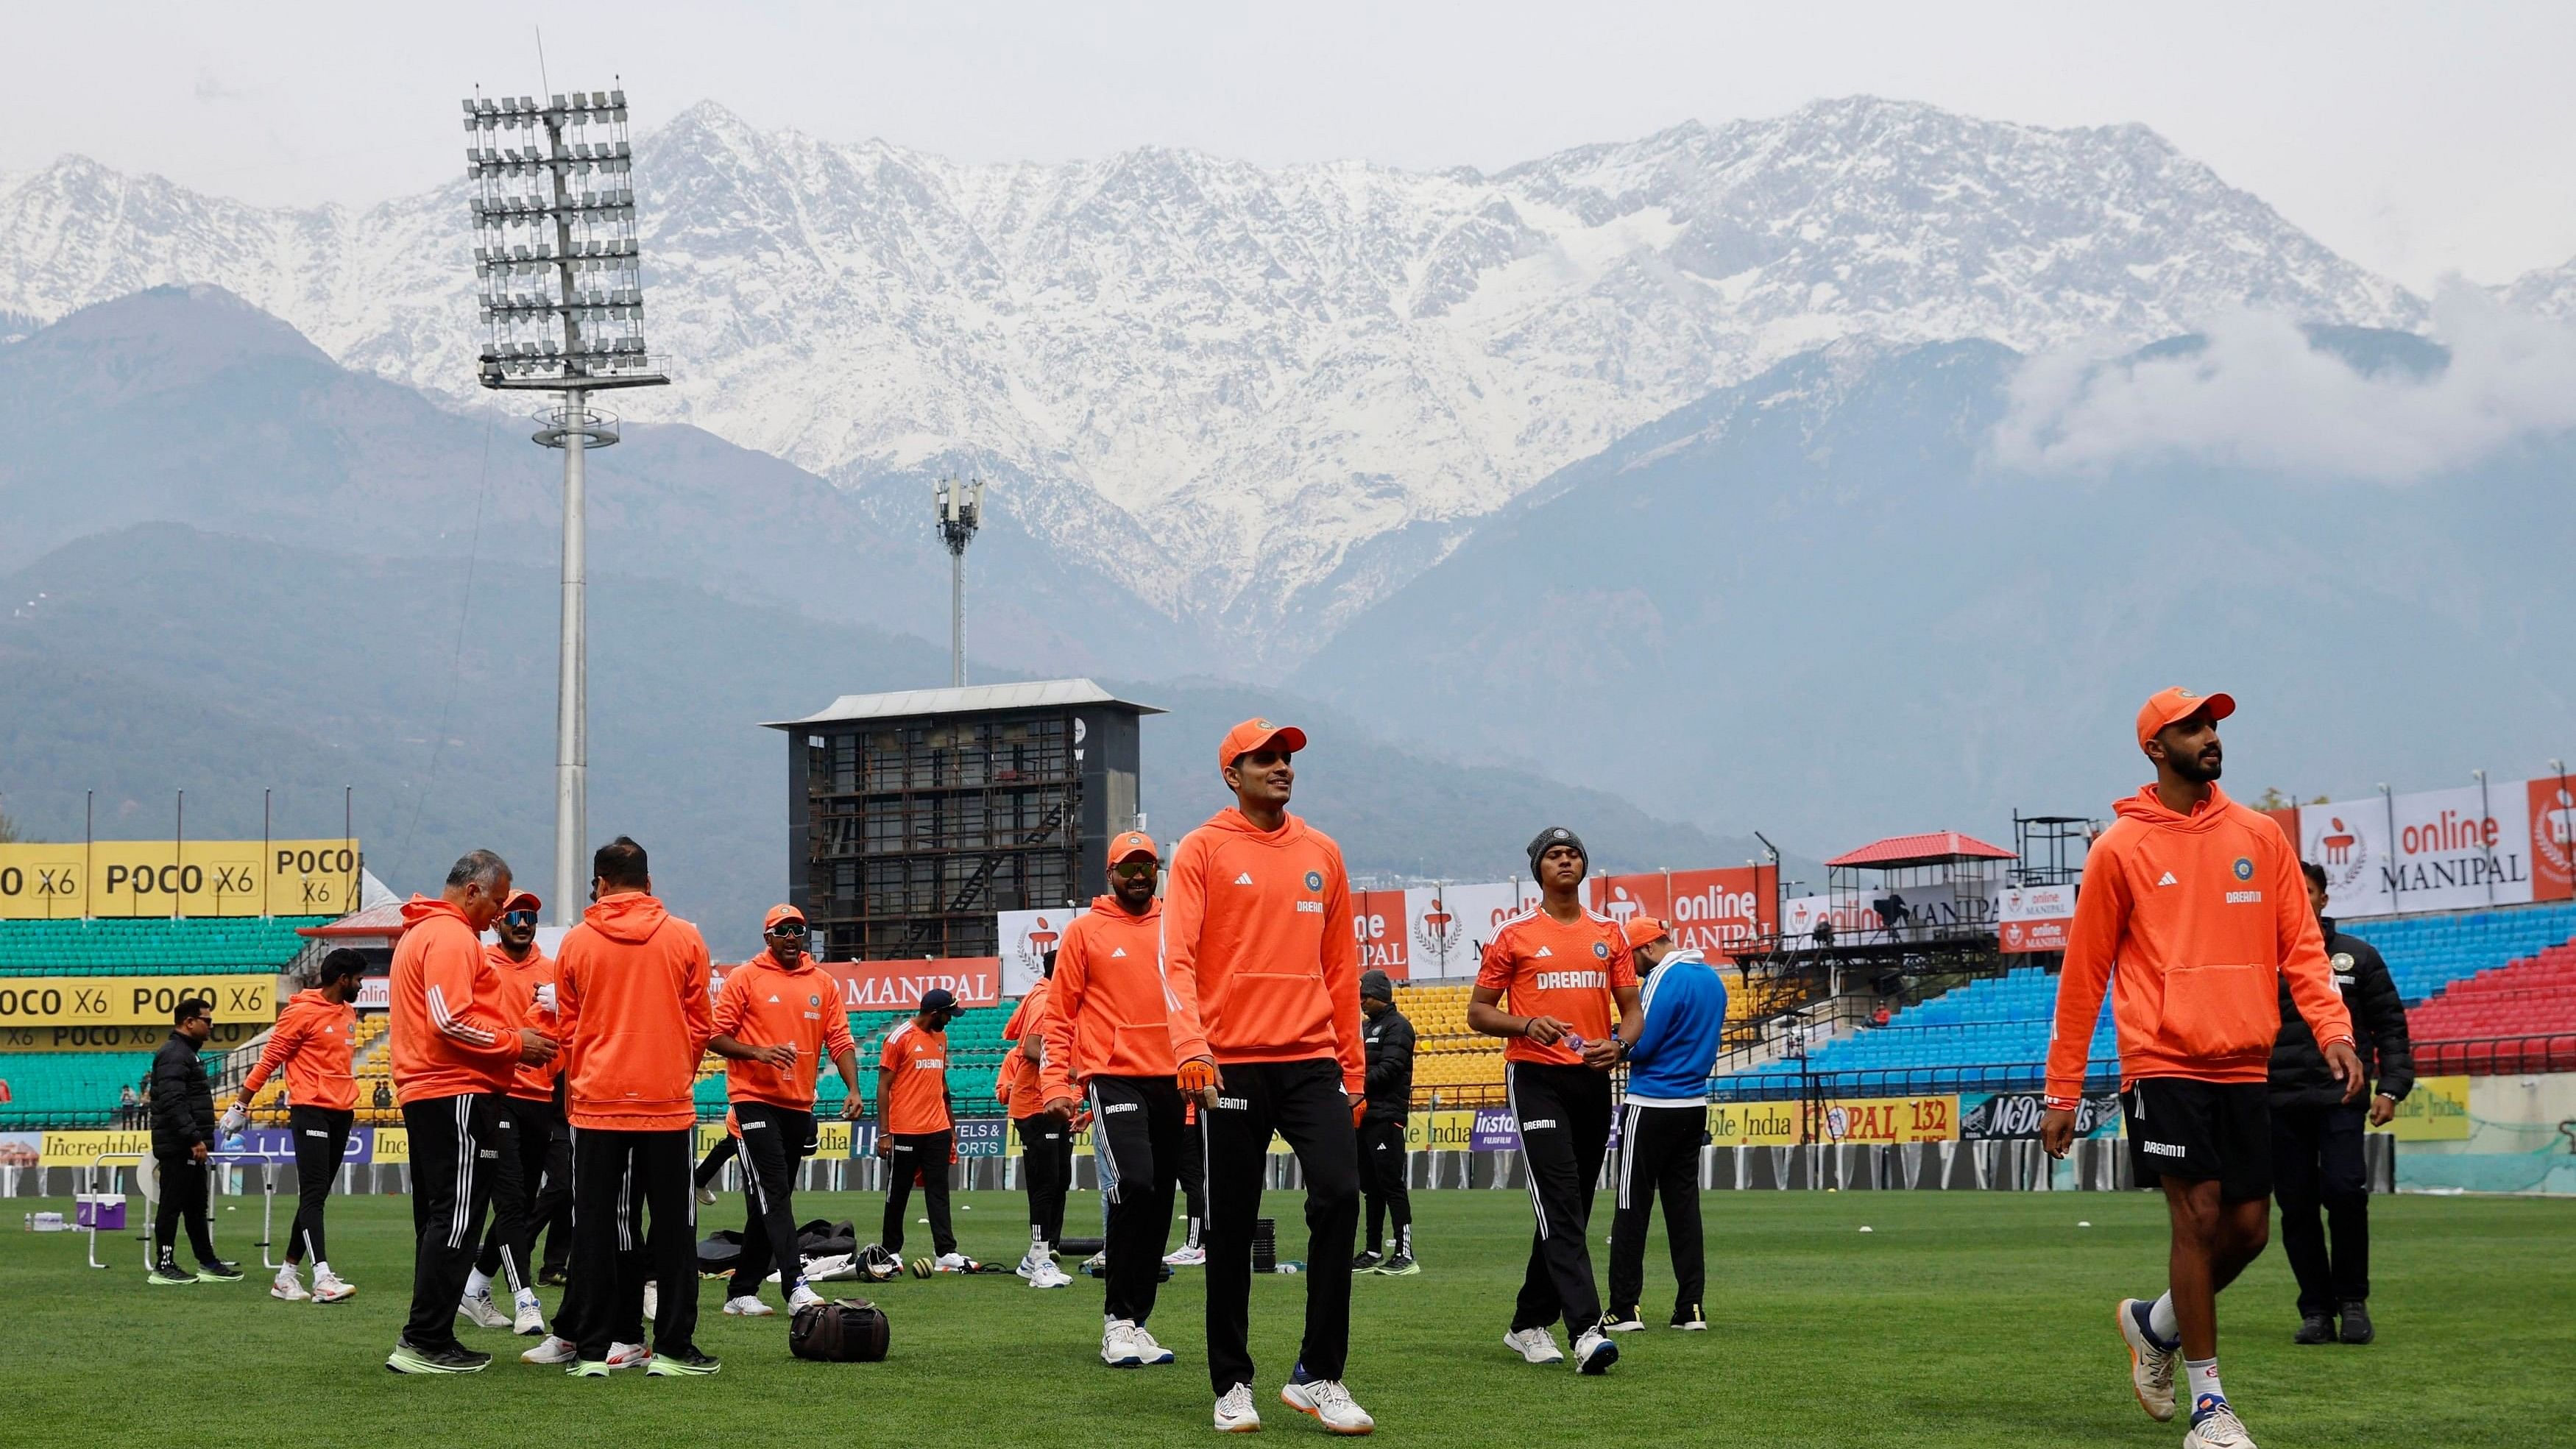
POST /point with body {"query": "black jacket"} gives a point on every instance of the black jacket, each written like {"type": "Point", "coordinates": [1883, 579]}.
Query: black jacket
{"type": "Point", "coordinates": [183, 1105]}
{"type": "Point", "coordinates": [2299, 1074]}
{"type": "Point", "coordinates": [1390, 1065]}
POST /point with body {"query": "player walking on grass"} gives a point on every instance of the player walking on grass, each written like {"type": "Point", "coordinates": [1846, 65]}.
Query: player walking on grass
{"type": "Point", "coordinates": [183, 1133]}
{"type": "Point", "coordinates": [1662, 1122]}
{"type": "Point", "coordinates": [2194, 913]}
{"type": "Point", "coordinates": [524, 1131]}
{"type": "Point", "coordinates": [777, 1019]}
{"type": "Point", "coordinates": [311, 1044]}
{"type": "Point", "coordinates": [1046, 1140]}
{"type": "Point", "coordinates": [1384, 1158]}
{"type": "Point", "coordinates": [1562, 967]}
{"type": "Point", "coordinates": [631, 993]}
{"type": "Point", "coordinates": [1265, 1019]}
{"type": "Point", "coordinates": [1109, 1044]}
{"type": "Point", "coordinates": [455, 1042]}
{"type": "Point", "coordinates": [916, 1126]}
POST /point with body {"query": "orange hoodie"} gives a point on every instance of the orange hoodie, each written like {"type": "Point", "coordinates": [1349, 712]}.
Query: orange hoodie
{"type": "Point", "coordinates": [2193, 921]}
{"type": "Point", "coordinates": [522, 978]}
{"type": "Point", "coordinates": [452, 1031]}
{"type": "Point", "coordinates": [765, 1004]}
{"type": "Point", "coordinates": [1018, 1084]}
{"type": "Point", "coordinates": [1107, 1012]}
{"type": "Point", "coordinates": [1257, 947]}
{"type": "Point", "coordinates": [311, 1041]}
{"type": "Point", "coordinates": [631, 993]}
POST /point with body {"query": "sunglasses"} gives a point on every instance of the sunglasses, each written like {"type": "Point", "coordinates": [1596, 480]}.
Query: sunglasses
{"type": "Point", "coordinates": [1133, 869]}
{"type": "Point", "coordinates": [792, 930]}
{"type": "Point", "coordinates": [521, 918]}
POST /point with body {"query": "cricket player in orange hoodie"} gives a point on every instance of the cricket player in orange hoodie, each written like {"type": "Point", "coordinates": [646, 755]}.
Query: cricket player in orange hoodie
{"type": "Point", "coordinates": [528, 1120]}
{"type": "Point", "coordinates": [455, 1041]}
{"type": "Point", "coordinates": [1265, 1022]}
{"type": "Point", "coordinates": [1109, 1042]}
{"type": "Point", "coordinates": [778, 1019]}
{"type": "Point", "coordinates": [631, 994]}
{"type": "Point", "coordinates": [2194, 914]}
{"type": "Point", "coordinates": [1046, 1140]}
{"type": "Point", "coordinates": [312, 1043]}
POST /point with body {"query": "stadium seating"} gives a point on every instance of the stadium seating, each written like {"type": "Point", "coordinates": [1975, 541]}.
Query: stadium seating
{"type": "Point", "coordinates": [2427, 953]}
{"type": "Point", "coordinates": [1990, 1034]}
{"type": "Point", "coordinates": [1449, 1059]}
{"type": "Point", "coordinates": [155, 946]}
{"type": "Point", "coordinates": [69, 1089]}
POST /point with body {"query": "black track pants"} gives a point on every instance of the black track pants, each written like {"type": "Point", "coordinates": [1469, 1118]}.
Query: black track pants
{"type": "Point", "coordinates": [321, 1144]}
{"type": "Point", "coordinates": [614, 1173]}
{"type": "Point", "coordinates": [1046, 1169]}
{"type": "Point", "coordinates": [775, 1142]}
{"type": "Point", "coordinates": [2317, 1163]}
{"type": "Point", "coordinates": [1136, 1138]}
{"type": "Point", "coordinates": [1658, 1154]}
{"type": "Point", "coordinates": [1564, 1116]}
{"type": "Point", "coordinates": [524, 1129]}
{"type": "Point", "coordinates": [453, 1155]}
{"type": "Point", "coordinates": [1385, 1166]}
{"type": "Point", "coordinates": [926, 1153]}
{"type": "Point", "coordinates": [1302, 1102]}
{"type": "Point", "coordinates": [183, 1198]}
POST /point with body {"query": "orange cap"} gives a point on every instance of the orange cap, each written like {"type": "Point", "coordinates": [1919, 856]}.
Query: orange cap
{"type": "Point", "coordinates": [522, 901]}
{"type": "Point", "coordinates": [1641, 930]}
{"type": "Point", "coordinates": [2168, 705]}
{"type": "Point", "coordinates": [780, 913]}
{"type": "Point", "coordinates": [1131, 845]}
{"type": "Point", "coordinates": [1254, 734]}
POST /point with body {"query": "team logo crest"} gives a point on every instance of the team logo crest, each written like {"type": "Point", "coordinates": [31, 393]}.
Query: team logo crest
{"type": "Point", "coordinates": [2344, 852]}
{"type": "Point", "coordinates": [2244, 868]}
{"type": "Point", "coordinates": [814, 1000]}
{"type": "Point", "coordinates": [1314, 880]}
{"type": "Point", "coordinates": [1601, 949]}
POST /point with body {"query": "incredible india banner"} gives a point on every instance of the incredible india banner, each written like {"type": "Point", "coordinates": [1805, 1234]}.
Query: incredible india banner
{"type": "Point", "coordinates": [182, 878]}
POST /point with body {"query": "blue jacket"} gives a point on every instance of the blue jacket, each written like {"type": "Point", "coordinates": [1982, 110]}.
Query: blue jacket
{"type": "Point", "coordinates": [1685, 1006]}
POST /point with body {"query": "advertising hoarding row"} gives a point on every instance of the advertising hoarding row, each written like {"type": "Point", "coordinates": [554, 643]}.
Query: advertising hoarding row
{"type": "Point", "coordinates": [2502, 843]}
{"type": "Point", "coordinates": [121, 878]}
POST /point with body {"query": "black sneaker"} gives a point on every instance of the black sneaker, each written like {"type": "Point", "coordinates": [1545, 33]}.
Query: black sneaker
{"type": "Point", "coordinates": [216, 1270]}
{"type": "Point", "coordinates": [680, 1363]}
{"type": "Point", "coordinates": [456, 1358]}
{"type": "Point", "coordinates": [1367, 1262]}
{"type": "Point", "coordinates": [2356, 1323]}
{"type": "Point", "coordinates": [1689, 1319]}
{"type": "Point", "coordinates": [1400, 1266]}
{"type": "Point", "coordinates": [2314, 1328]}
{"type": "Point", "coordinates": [553, 1277]}
{"type": "Point", "coordinates": [1621, 1320]}
{"type": "Point", "coordinates": [168, 1274]}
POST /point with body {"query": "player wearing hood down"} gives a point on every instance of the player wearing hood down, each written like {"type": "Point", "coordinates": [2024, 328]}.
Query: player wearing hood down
{"type": "Point", "coordinates": [2194, 914]}
{"type": "Point", "coordinates": [1265, 1021]}
{"type": "Point", "coordinates": [312, 1044]}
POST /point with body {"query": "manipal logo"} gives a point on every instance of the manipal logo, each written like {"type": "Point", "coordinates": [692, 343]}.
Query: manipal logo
{"type": "Point", "coordinates": [1436, 930]}
{"type": "Point", "coordinates": [2343, 852]}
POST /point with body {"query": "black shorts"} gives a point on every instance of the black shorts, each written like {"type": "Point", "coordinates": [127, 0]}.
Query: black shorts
{"type": "Point", "coordinates": [2199, 1131]}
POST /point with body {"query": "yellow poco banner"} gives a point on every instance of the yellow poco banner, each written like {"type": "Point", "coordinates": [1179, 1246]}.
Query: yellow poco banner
{"type": "Point", "coordinates": [144, 1001]}
{"type": "Point", "coordinates": [187, 878]}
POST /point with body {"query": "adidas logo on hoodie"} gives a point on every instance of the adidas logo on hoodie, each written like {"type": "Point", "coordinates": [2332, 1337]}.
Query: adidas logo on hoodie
{"type": "Point", "coordinates": [1244, 879]}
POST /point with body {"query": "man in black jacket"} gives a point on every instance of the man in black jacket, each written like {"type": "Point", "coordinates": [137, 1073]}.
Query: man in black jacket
{"type": "Point", "coordinates": [1383, 1159]}
{"type": "Point", "coordinates": [183, 1132]}
{"type": "Point", "coordinates": [2316, 1137]}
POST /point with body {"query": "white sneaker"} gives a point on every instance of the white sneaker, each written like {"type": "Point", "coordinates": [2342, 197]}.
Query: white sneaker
{"type": "Point", "coordinates": [1234, 1411]}
{"type": "Point", "coordinates": [1622, 1321]}
{"type": "Point", "coordinates": [1594, 1352]}
{"type": "Point", "coordinates": [1097, 1262]}
{"type": "Point", "coordinates": [2217, 1428]}
{"type": "Point", "coordinates": [1147, 1350]}
{"type": "Point", "coordinates": [1534, 1345]}
{"type": "Point", "coordinates": [1186, 1256]}
{"type": "Point", "coordinates": [1118, 1345]}
{"type": "Point", "coordinates": [552, 1350]}
{"type": "Point", "coordinates": [330, 1287]}
{"type": "Point", "coordinates": [707, 1195]}
{"type": "Point", "coordinates": [482, 1311]}
{"type": "Point", "coordinates": [1048, 1275]}
{"type": "Point", "coordinates": [652, 1301]}
{"type": "Point", "coordinates": [802, 1297]}
{"type": "Point", "coordinates": [1330, 1403]}
{"type": "Point", "coordinates": [288, 1285]}
{"type": "Point", "coordinates": [748, 1306]}
{"type": "Point", "coordinates": [629, 1356]}
{"type": "Point", "coordinates": [2151, 1369]}
{"type": "Point", "coordinates": [949, 1263]}
{"type": "Point", "coordinates": [530, 1320]}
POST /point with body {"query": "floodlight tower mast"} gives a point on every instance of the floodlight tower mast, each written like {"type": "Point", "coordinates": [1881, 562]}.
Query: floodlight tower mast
{"type": "Point", "coordinates": [961, 512]}
{"type": "Point", "coordinates": [561, 296]}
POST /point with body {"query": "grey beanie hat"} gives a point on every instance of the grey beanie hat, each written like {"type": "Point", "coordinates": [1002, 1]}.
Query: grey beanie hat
{"type": "Point", "coordinates": [1556, 835]}
{"type": "Point", "coordinates": [1377, 984]}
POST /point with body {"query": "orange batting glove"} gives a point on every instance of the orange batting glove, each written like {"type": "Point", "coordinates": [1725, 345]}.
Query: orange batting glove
{"type": "Point", "coordinates": [1198, 1074]}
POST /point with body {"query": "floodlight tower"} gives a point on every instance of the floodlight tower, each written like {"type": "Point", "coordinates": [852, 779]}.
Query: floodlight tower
{"type": "Point", "coordinates": [961, 512]}
{"type": "Point", "coordinates": [561, 292]}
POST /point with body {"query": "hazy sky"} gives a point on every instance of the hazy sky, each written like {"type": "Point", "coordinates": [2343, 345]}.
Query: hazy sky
{"type": "Point", "coordinates": [2417, 140]}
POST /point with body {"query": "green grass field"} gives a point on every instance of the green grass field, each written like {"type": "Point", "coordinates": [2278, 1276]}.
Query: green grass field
{"type": "Point", "coordinates": [1961, 1319]}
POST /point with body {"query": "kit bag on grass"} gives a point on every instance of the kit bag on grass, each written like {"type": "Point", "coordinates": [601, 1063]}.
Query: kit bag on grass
{"type": "Point", "coordinates": [842, 1331]}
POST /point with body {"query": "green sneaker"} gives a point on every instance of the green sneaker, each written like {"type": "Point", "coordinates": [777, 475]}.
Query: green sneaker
{"type": "Point", "coordinates": [685, 1363]}
{"type": "Point", "coordinates": [588, 1368]}
{"type": "Point", "coordinates": [216, 1270]}
{"type": "Point", "coordinates": [454, 1359]}
{"type": "Point", "coordinates": [168, 1274]}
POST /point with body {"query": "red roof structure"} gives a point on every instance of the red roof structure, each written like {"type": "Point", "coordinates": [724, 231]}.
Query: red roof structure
{"type": "Point", "coordinates": [382, 920]}
{"type": "Point", "coordinates": [1932, 849]}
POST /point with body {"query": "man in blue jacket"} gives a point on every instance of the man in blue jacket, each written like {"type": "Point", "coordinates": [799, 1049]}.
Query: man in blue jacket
{"type": "Point", "coordinates": [1663, 1122]}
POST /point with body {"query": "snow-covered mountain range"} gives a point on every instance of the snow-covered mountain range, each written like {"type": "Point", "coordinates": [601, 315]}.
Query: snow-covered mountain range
{"type": "Point", "coordinates": [1261, 399]}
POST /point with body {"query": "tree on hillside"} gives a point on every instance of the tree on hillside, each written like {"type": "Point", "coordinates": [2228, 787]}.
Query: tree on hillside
{"type": "Point", "coordinates": [2273, 799]}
